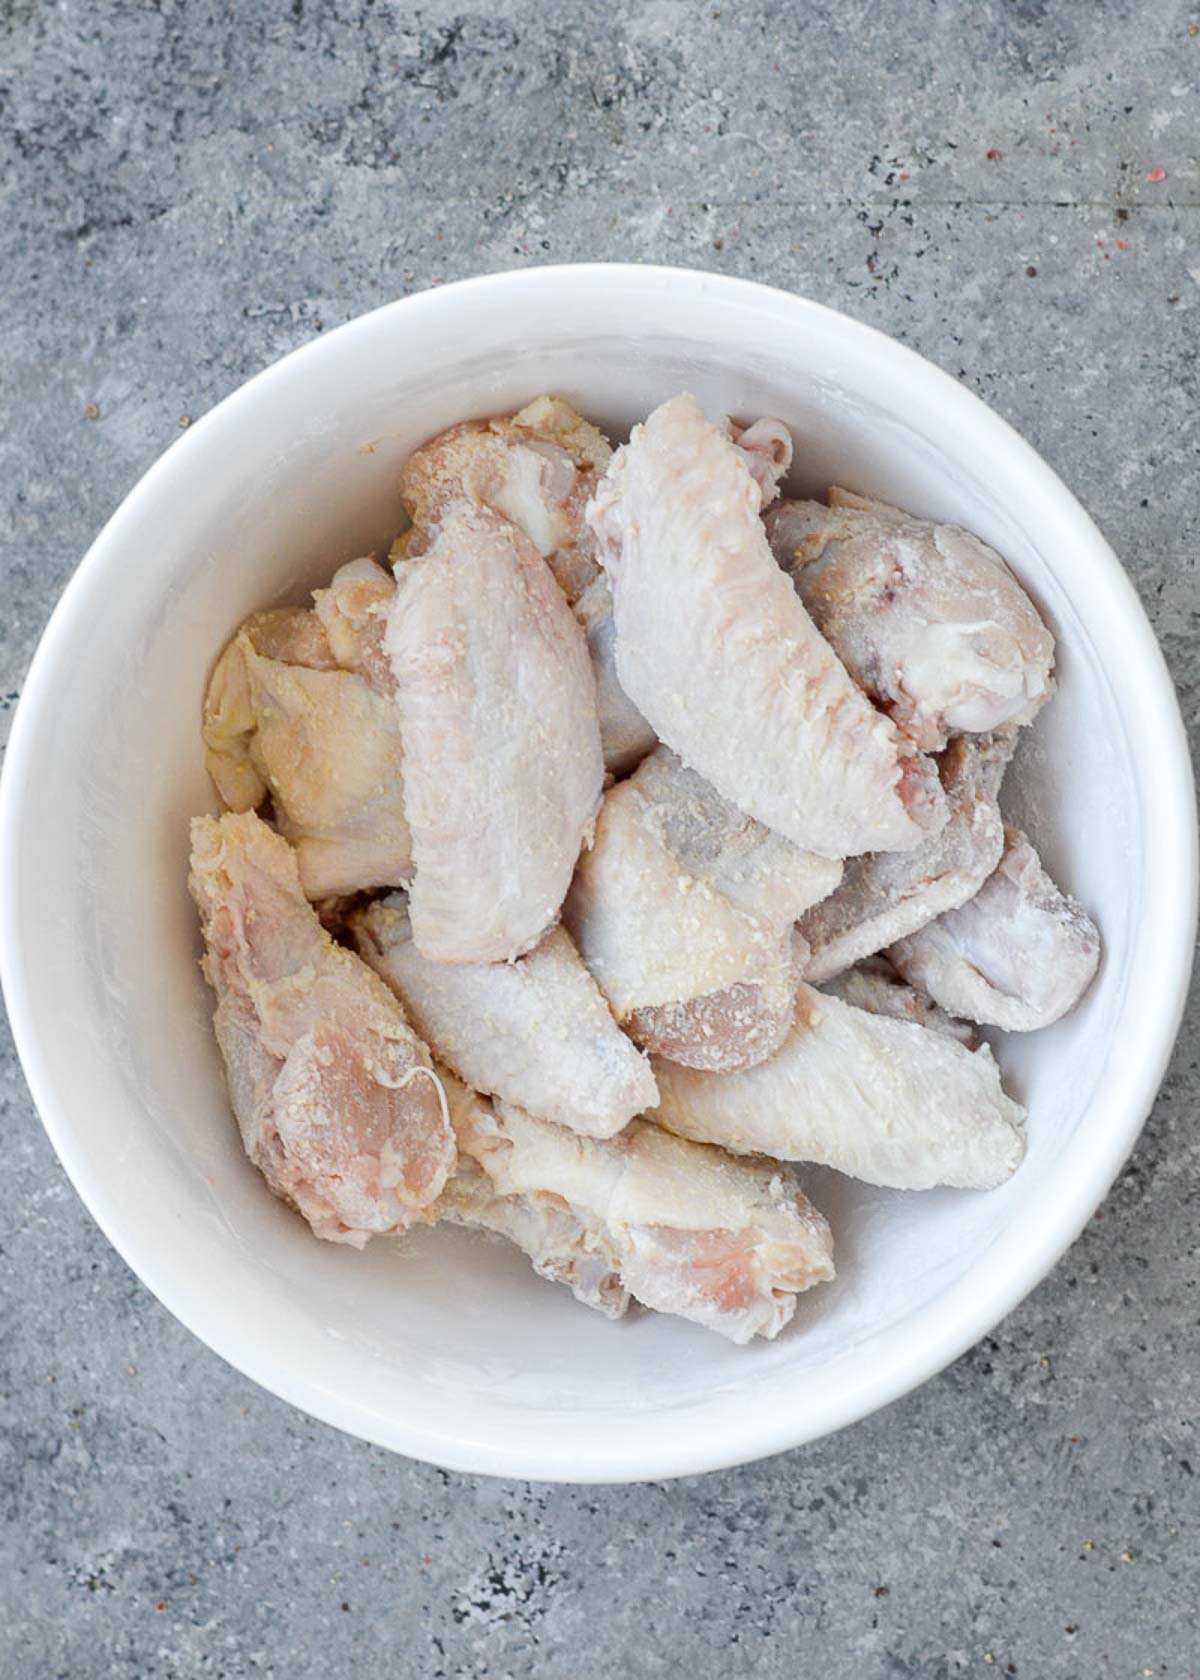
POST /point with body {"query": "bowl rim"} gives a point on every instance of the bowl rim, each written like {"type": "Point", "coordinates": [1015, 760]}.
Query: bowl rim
{"type": "Point", "coordinates": [1073, 1187]}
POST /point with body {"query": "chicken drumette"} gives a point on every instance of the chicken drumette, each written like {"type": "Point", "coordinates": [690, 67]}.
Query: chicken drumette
{"type": "Point", "coordinates": [302, 705]}
{"type": "Point", "coordinates": [682, 1228]}
{"type": "Point", "coordinates": [928, 619]}
{"type": "Point", "coordinates": [333, 1091]}
{"type": "Point", "coordinates": [1018, 955]}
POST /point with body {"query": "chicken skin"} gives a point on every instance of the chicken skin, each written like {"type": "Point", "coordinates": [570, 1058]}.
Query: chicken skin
{"type": "Point", "coordinates": [502, 760]}
{"type": "Point", "coordinates": [878, 987]}
{"type": "Point", "coordinates": [301, 706]}
{"type": "Point", "coordinates": [926, 618]}
{"type": "Point", "coordinates": [353, 612]}
{"type": "Point", "coordinates": [561, 1245]}
{"type": "Point", "coordinates": [333, 1091]}
{"type": "Point", "coordinates": [536, 1032]}
{"type": "Point", "coordinates": [1019, 955]}
{"type": "Point", "coordinates": [886, 895]}
{"type": "Point", "coordinates": [681, 1228]}
{"type": "Point", "coordinates": [538, 468]}
{"type": "Point", "coordinates": [716, 650]}
{"type": "Point", "coordinates": [878, 1098]}
{"type": "Point", "coordinates": [766, 448]}
{"type": "Point", "coordinates": [683, 909]}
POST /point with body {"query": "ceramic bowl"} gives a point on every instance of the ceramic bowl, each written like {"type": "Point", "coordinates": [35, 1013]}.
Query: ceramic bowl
{"type": "Point", "coordinates": [445, 1346]}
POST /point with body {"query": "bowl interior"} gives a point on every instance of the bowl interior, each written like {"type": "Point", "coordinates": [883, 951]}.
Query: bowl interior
{"type": "Point", "coordinates": [446, 1344]}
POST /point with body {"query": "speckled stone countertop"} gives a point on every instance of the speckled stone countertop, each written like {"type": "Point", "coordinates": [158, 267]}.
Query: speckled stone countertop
{"type": "Point", "coordinates": [191, 189]}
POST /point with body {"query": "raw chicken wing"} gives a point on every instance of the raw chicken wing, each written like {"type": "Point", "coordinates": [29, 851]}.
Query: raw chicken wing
{"type": "Point", "coordinates": [502, 762]}
{"type": "Point", "coordinates": [536, 1031]}
{"type": "Point", "coordinates": [687, 1230]}
{"type": "Point", "coordinates": [294, 709]}
{"type": "Point", "coordinates": [886, 895]}
{"type": "Point", "coordinates": [928, 619]}
{"type": "Point", "coordinates": [716, 650]}
{"type": "Point", "coordinates": [1018, 956]}
{"type": "Point", "coordinates": [682, 910]}
{"type": "Point", "coordinates": [538, 469]}
{"type": "Point", "coordinates": [332, 1089]}
{"type": "Point", "coordinates": [880, 1099]}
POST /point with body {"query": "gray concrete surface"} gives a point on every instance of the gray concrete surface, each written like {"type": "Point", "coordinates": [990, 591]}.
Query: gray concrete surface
{"type": "Point", "coordinates": [190, 190]}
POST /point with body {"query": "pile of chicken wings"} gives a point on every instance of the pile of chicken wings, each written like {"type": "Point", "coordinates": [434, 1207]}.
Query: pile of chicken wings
{"type": "Point", "coordinates": [630, 835]}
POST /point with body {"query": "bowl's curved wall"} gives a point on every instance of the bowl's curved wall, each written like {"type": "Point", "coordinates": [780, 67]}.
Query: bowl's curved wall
{"type": "Point", "coordinates": [447, 1348]}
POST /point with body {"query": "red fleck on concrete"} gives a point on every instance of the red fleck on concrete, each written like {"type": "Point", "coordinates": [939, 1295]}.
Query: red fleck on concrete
{"type": "Point", "coordinates": [1157, 175]}
{"type": "Point", "coordinates": [994, 155]}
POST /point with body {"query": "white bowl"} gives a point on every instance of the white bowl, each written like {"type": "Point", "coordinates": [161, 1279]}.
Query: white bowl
{"type": "Point", "coordinates": [447, 1347]}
